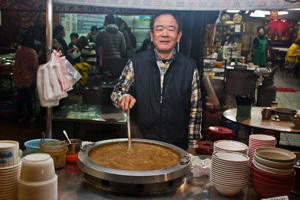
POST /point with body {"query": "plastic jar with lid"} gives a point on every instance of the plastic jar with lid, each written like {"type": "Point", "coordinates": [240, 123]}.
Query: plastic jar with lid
{"type": "Point", "coordinates": [57, 150]}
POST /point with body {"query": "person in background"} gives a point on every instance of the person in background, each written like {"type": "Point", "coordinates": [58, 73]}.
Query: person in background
{"type": "Point", "coordinates": [228, 41]}
{"type": "Point", "coordinates": [59, 34]}
{"type": "Point", "coordinates": [111, 39]}
{"type": "Point", "coordinates": [145, 46]}
{"type": "Point", "coordinates": [92, 35]}
{"type": "Point", "coordinates": [292, 57]}
{"type": "Point", "coordinates": [24, 76]}
{"type": "Point", "coordinates": [73, 48]}
{"type": "Point", "coordinates": [74, 40]}
{"type": "Point", "coordinates": [124, 29]}
{"type": "Point", "coordinates": [161, 88]}
{"type": "Point", "coordinates": [88, 53]}
{"type": "Point", "coordinates": [260, 49]}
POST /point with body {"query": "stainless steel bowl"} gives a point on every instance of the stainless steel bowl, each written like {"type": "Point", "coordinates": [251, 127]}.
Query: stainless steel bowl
{"type": "Point", "coordinates": [138, 182]}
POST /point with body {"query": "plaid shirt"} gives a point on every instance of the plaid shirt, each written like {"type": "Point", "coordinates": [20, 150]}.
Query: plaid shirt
{"type": "Point", "coordinates": [127, 80]}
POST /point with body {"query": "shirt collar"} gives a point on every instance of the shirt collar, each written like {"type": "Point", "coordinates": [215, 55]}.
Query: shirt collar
{"type": "Point", "coordinates": [169, 60]}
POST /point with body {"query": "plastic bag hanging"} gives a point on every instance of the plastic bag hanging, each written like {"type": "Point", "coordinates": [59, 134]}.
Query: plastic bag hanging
{"type": "Point", "coordinates": [55, 79]}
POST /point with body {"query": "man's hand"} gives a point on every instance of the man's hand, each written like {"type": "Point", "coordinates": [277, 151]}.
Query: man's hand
{"type": "Point", "coordinates": [127, 101]}
{"type": "Point", "coordinates": [191, 150]}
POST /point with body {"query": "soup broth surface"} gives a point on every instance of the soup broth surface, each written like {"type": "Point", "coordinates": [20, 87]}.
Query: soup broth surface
{"type": "Point", "coordinates": [144, 157]}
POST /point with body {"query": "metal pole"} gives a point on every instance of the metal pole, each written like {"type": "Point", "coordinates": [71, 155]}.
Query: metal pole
{"type": "Point", "coordinates": [49, 17]}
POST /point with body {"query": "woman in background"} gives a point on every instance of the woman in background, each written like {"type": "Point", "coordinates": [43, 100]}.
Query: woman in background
{"type": "Point", "coordinates": [92, 35]}
{"type": "Point", "coordinates": [24, 76]}
{"type": "Point", "coordinates": [260, 49]}
{"type": "Point", "coordinates": [145, 46]}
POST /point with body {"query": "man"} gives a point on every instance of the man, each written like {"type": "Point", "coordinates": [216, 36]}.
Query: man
{"type": "Point", "coordinates": [73, 48]}
{"type": "Point", "coordinates": [111, 39]}
{"type": "Point", "coordinates": [162, 88]}
{"type": "Point", "coordinates": [260, 49]}
{"type": "Point", "coordinates": [74, 40]}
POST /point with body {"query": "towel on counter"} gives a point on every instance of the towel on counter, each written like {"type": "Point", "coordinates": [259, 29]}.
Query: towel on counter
{"type": "Point", "coordinates": [55, 79]}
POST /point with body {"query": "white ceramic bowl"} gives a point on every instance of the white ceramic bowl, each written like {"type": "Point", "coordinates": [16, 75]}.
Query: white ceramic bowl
{"type": "Point", "coordinates": [230, 183]}
{"type": "Point", "coordinates": [230, 145]}
{"type": "Point", "coordinates": [228, 190]}
{"type": "Point", "coordinates": [38, 190]}
{"type": "Point", "coordinates": [259, 137]}
{"type": "Point", "coordinates": [37, 167]}
{"type": "Point", "coordinates": [231, 156]}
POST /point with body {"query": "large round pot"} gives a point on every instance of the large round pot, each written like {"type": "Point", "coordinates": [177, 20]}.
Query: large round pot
{"type": "Point", "coordinates": [137, 182]}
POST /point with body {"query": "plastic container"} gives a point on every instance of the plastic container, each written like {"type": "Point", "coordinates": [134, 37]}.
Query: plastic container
{"type": "Point", "coordinates": [57, 150]}
{"type": "Point", "coordinates": [243, 112]}
{"type": "Point", "coordinates": [37, 168]}
{"type": "Point", "coordinates": [33, 146]}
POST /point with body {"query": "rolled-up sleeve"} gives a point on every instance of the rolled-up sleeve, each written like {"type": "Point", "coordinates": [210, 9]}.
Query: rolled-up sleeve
{"type": "Point", "coordinates": [125, 82]}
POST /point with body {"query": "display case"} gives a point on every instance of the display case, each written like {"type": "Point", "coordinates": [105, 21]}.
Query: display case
{"type": "Point", "coordinates": [234, 29]}
{"type": "Point", "coordinates": [214, 68]}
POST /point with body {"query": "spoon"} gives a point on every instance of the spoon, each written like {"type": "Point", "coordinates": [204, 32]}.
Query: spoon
{"type": "Point", "coordinates": [128, 131]}
{"type": "Point", "coordinates": [67, 136]}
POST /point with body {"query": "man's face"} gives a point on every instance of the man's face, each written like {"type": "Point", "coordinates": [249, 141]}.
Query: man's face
{"type": "Point", "coordinates": [63, 33]}
{"type": "Point", "coordinates": [74, 40]}
{"type": "Point", "coordinates": [94, 32]}
{"type": "Point", "coordinates": [165, 33]}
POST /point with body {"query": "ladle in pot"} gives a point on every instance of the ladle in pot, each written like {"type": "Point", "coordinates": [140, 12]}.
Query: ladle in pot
{"type": "Point", "coordinates": [128, 131]}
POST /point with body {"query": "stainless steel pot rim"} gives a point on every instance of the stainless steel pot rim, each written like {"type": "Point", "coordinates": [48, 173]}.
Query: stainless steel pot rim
{"type": "Point", "coordinates": [139, 177]}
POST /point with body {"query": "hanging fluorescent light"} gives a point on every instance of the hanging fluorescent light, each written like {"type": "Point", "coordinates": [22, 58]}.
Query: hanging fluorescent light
{"type": "Point", "coordinates": [283, 13]}
{"type": "Point", "coordinates": [247, 11]}
{"type": "Point", "coordinates": [258, 13]}
{"type": "Point", "coordinates": [294, 9]}
{"type": "Point", "coordinates": [233, 11]}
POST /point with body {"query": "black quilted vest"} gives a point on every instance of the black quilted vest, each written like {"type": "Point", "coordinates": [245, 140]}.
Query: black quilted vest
{"type": "Point", "coordinates": [164, 117]}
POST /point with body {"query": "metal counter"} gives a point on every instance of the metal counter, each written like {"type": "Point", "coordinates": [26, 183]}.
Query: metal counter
{"type": "Point", "coordinates": [72, 186]}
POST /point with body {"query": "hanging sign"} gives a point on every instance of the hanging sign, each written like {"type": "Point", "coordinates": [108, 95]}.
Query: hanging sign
{"type": "Point", "coordinates": [186, 4]}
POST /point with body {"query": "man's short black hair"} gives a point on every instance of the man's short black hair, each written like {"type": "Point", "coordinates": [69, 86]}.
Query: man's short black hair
{"type": "Point", "coordinates": [261, 27]}
{"type": "Point", "coordinates": [94, 28]}
{"type": "Point", "coordinates": [74, 35]}
{"type": "Point", "coordinates": [176, 16]}
{"type": "Point", "coordinates": [110, 19]}
{"type": "Point", "coordinates": [58, 28]}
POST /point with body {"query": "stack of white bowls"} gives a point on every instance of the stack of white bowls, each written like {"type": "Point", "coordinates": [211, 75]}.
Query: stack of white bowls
{"type": "Point", "coordinates": [230, 145]}
{"type": "Point", "coordinates": [258, 141]}
{"type": "Point", "coordinates": [229, 172]}
{"type": "Point", "coordinates": [38, 179]}
{"type": "Point", "coordinates": [10, 167]}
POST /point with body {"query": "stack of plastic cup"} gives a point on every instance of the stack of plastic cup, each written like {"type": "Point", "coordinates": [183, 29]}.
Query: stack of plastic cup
{"type": "Point", "coordinates": [10, 167]}
{"type": "Point", "coordinates": [38, 179]}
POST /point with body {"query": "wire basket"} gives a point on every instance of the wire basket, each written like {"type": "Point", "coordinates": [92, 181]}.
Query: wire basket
{"type": "Point", "coordinates": [232, 126]}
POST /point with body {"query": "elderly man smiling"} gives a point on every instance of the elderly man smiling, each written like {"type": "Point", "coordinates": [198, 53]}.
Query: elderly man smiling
{"type": "Point", "coordinates": [161, 86]}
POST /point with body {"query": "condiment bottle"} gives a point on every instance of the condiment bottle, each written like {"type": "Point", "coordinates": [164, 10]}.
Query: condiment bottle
{"type": "Point", "coordinates": [274, 104]}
